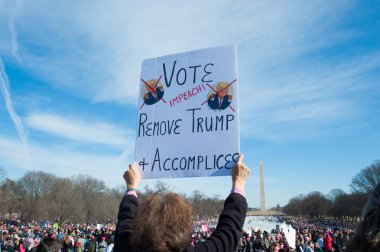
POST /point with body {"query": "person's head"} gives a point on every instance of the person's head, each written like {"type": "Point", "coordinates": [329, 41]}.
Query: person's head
{"type": "Point", "coordinates": [67, 238]}
{"type": "Point", "coordinates": [49, 245]}
{"type": "Point", "coordinates": [309, 244]}
{"type": "Point", "coordinates": [162, 223]}
{"type": "Point", "coordinates": [109, 242]}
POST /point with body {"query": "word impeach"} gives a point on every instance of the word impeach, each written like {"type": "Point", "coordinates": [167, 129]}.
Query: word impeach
{"type": "Point", "coordinates": [187, 95]}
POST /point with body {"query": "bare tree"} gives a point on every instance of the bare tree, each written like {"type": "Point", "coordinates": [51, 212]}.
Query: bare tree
{"type": "Point", "coordinates": [35, 188]}
{"type": "Point", "coordinates": [294, 206]}
{"type": "Point", "coordinates": [9, 198]}
{"type": "Point", "coordinates": [334, 194]}
{"type": "Point", "coordinates": [315, 204]}
{"type": "Point", "coordinates": [196, 200]}
{"type": "Point", "coordinates": [3, 175]}
{"type": "Point", "coordinates": [36, 184]}
{"type": "Point", "coordinates": [161, 187]}
{"type": "Point", "coordinates": [367, 179]}
{"type": "Point", "coordinates": [66, 203]}
{"type": "Point", "coordinates": [92, 192]}
{"type": "Point", "coordinates": [110, 207]}
{"type": "Point", "coordinates": [89, 183]}
{"type": "Point", "coordinates": [348, 204]}
{"type": "Point", "coordinates": [217, 205]}
{"type": "Point", "coordinates": [336, 203]}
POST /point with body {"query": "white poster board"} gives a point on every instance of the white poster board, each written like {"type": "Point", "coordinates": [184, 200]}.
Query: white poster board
{"type": "Point", "coordinates": [290, 234]}
{"type": "Point", "coordinates": [188, 114]}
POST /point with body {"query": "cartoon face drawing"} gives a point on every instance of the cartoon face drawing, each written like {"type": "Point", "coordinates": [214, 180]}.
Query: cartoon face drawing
{"type": "Point", "coordinates": [220, 96]}
{"type": "Point", "coordinates": [151, 91]}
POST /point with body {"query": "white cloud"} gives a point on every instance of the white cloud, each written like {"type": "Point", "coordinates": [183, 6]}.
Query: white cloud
{"type": "Point", "coordinates": [94, 51]}
{"type": "Point", "coordinates": [79, 130]}
{"type": "Point", "coordinates": [309, 102]}
{"type": "Point", "coordinates": [97, 48]}
{"type": "Point", "coordinates": [60, 161]}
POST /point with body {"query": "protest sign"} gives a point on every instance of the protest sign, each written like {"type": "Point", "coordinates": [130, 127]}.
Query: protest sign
{"type": "Point", "coordinates": [290, 234]}
{"type": "Point", "coordinates": [188, 114]}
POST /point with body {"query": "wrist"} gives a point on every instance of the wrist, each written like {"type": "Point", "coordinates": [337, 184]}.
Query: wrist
{"type": "Point", "coordinates": [238, 186]}
{"type": "Point", "coordinates": [131, 191]}
{"type": "Point", "coordinates": [238, 191]}
{"type": "Point", "coordinates": [135, 186]}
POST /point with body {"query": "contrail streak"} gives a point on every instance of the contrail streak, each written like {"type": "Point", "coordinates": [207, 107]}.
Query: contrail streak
{"type": "Point", "coordinates": [14, 44]}
{"type": "Point", "coordinates": [4, 85]}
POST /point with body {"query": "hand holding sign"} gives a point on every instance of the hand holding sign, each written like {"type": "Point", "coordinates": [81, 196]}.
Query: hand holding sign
{"type": "Point", "coordinates": [132, 176]}
{"type": "Point", "coordinates": [240, 174]}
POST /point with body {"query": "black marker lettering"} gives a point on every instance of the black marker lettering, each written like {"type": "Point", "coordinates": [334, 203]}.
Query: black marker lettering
{"type": "Point", "coordinates": [171, 76]}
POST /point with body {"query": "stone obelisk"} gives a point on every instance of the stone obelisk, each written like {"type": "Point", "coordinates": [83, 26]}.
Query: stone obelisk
{"type": "Point", "coordinates": [262, 192]}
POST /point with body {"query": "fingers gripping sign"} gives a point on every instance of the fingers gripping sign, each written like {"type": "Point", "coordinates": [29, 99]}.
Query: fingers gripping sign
{"type": "Point", "coordinates": [132, 176]}
{"type": "Point", "coordinates": [240, 174]}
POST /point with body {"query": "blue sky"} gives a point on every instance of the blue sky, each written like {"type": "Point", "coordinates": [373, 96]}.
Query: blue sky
{"type": "Point", "coordinates": [309, 79]}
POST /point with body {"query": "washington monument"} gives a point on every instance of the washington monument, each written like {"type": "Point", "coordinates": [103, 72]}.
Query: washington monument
{"type": "Point", "coordinates": [262, 192]}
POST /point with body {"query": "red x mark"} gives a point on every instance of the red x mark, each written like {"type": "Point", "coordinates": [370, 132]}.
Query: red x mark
{"type": "Point", "coordinates": [152, 90]}
{"type": "Point", "coordinates": [218, 93]}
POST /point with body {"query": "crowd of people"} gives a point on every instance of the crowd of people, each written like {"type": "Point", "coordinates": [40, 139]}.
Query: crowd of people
{"type": "Point", "coordinates": [17, 236]}
{"type": "Point", "coordinates": [311, 235]}
{"type": "Point", "coordinates": [165, 223]}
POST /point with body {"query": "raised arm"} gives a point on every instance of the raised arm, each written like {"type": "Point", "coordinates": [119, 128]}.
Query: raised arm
{"type": "Point", "coordinates": [231, 220]}
{"type": "Point", "coordinates": [127, 209]}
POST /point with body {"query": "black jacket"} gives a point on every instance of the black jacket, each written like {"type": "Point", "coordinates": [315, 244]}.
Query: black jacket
{"type": "Point", "coordinates": [224, 238]}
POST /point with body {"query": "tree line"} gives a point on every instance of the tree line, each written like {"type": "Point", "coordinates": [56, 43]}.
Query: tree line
{"type": "Point", "coordinates": [39, 196]}
{"type": "Point", "coordinates": [43, 196]}
{"type": "Point", "coordinates": [337, 202]}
